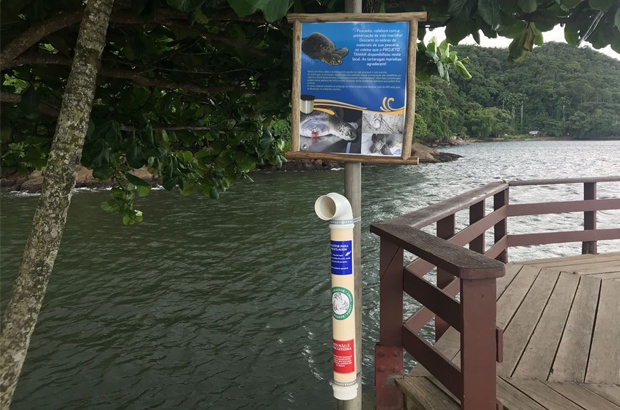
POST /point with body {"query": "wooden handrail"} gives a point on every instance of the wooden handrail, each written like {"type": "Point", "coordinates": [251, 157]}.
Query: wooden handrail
{"type": "Point", "coordinates": [433, 213]}
{"type": "Point", "coordinates": [557, 181]}
{"type": "Point", "coordinates": [460, 262]}
{"type": "Point", "coordinates": [463, 271]}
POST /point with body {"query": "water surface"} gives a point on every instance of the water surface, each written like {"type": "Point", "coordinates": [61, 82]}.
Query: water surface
{"type": "Point", "coordinates": [226, 304]}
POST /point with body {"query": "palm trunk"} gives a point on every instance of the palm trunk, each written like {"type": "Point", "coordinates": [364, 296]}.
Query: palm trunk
{"type": "Point", "coordinates": [21, 313]}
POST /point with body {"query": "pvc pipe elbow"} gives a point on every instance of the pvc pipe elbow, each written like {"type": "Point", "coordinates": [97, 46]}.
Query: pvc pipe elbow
{"type": "Point", "coordinates": [333, 206]}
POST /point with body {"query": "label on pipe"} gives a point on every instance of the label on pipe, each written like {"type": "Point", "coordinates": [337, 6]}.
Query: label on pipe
{"type": "Point", "coordinates": [342, 303]}
{"type": "Point", "coordinates": [344, 356]}
{"type": "Point", "coordinates": [342, 257]}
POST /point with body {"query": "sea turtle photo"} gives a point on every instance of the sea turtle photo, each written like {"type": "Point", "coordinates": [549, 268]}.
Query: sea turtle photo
{"type": "Point", "coordinates": [319, 47]}
{"type": "Point", "coordinates": [320, 124]}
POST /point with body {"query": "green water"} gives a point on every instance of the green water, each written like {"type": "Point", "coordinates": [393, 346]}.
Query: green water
{"type": "Point", "coordinates": [226, 304]}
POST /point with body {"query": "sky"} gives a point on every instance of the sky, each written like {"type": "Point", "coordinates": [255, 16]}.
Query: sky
{"type": "Point", "coordinates": [557, 35]}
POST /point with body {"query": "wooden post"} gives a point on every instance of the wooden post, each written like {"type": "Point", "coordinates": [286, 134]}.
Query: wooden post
{"type": "Point", "coordinates": [589, 218]}
{"type": "Point", "coordinates": [478, 344]}
{"type": "Point", "coordinates": [389, 350]}
{"type": "Point", "coordinates": [445, 230]}
{"type": "Point", "coordinates": [476, 213]}
{"type": "Point", "coordinates": [501, 228]}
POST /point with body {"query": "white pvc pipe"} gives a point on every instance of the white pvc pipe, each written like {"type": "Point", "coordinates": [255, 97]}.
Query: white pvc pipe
{"type": "Point", "coordinates": [336, 208]}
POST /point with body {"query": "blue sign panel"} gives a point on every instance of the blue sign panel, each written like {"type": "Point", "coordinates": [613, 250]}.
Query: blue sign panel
{"type": "Point", "coordinates": [342, 257]}
{"type": "Point", "coordinates": [353, 87]}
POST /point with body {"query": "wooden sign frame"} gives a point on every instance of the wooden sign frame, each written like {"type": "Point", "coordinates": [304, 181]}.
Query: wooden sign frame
{"type": "Point", "coordinates": [409, 101]}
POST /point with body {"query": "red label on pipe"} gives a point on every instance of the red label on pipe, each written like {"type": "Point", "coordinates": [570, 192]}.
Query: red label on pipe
{"type": "Point", "coordinates": [344, 356]}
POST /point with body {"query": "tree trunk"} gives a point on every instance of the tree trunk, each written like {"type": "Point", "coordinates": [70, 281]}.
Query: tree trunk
{"type": "Point", "coordinates": [49, 220]}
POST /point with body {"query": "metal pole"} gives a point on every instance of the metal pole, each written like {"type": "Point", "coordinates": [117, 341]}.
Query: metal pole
{"type": "Point", "coordinates": [353, 192]}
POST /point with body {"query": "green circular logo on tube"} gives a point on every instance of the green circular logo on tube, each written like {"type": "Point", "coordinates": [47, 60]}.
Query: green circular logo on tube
{"type": "Point", "coordinates": [342, 303]}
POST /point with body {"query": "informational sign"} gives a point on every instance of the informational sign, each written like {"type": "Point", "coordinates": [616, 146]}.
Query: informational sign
{"type": "Point", "coordinates": [354, 89]}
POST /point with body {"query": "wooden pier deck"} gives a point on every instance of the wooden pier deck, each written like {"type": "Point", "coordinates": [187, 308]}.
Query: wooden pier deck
{"type": "Point", "coordinates": [561, 339]}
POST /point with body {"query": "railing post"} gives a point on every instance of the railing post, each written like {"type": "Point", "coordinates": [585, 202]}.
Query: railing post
{"type": "Point", "coordinates": [445, 230]}
{"type": "Point", "coordinates": [389, 350]}
{"type": "Point", "coordinates": [589, 217]}
{"type": "Point", "coordinates": [476, 213]}
{"type": "Point", "coordinates": [478, 344]}
{"type": "Point", "coordinates": [500, 229]}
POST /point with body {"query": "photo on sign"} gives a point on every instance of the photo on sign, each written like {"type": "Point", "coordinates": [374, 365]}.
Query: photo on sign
{"type": "Point", "coordinates": [330, 129]}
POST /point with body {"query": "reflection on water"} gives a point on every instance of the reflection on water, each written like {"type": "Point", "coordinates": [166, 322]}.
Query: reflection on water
{"type": "Point", "coordinates": [226, 304]}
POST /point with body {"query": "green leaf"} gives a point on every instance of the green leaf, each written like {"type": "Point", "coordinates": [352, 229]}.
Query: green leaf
{"type": "Point", "coordinates": [444, 48]}
{"type": "Point", "coordinates": [490, 11]}
{"type": "Point", "coordinates": [538, 38]}
{"type": "Point", "coordinates": [461, 9]}
{"type": "Point", "coordinates": [615, 43]}
{"type": "Point", "coordinates": [457, 30]}
{"type": "Point", "coordinates": [100, 153]}
{"type": "Point", "coordinates": [127, 220]}
{"type": "Point", "coordinates": [110, 205]}
{"type": "Point", "coordinates": [200, 17]}
{"type": "Point", "coordinates": [135, 158]}
{"type": "Point", "coordinates": [571, 35]}
{"type": "Point", "coordinates": [602, 5]}
{"type": "Point", "coordinates": [103, 173]}
{"type": "Point", "coordinates": [272, 9]}
{"type": "Point", "coordinates": [513, 30]}
{"type": "Point", "coordinates": [143, 190]}
{"type": "Point", "coordinates": [462, 70]}
{"type": "Point", "coordinates": [516, 49]}
{"type": "Point", "coordinates": [213, 193]}
{"type": "Point", "coordinates": [137, 215]}
{"type": "Point", "coordinates": [528, 6]}
{"type": "Point", "coordinates": [617, 19]}
{"type": "Point", "coordinates": [139, 182]}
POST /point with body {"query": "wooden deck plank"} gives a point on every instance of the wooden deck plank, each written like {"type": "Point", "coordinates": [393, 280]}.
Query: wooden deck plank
{"type": "Point", "coordinates": [592, 265]}
{"type": "Point", "coordinates": [518, 332]}
{"type": "Point", "coordinates": [609, 267]}
{"type": "Point", "coordinates": [614, 275]}
{"type": "Point", "coordinates": [608, 391]}
{"type": "Point", "coordinates": [572, 356]}
{"type": "Point", "coordinates": [512, 269]}
{"type": "Point", "coordinates": [544, 395]}
{"type": "Point", "coordinates": [557, 259]}
{"type": "Point", "coordinates": [604, 362]}
{"type": "Point", "coordinates": [422, 394]}
{"type": "Point", "coordinates": [583, 397]}
{"type": "Point", "coordinates": [571, 260]}
{"type": "Point", "coordinates": [515, 399]}
{"type": "Point", "coordinates": [512, 298]}
{"type": "Point", "coordinates": [538, 356]}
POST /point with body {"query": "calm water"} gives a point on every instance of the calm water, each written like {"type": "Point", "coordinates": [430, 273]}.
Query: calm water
{"type": "Point", "coordinates": [226, 304]}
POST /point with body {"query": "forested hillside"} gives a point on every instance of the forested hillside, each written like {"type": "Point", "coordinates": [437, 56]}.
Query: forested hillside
{"type": "Point", "coordinates": [558, 90]}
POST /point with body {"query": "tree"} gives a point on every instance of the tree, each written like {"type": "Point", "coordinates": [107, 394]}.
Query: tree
{"type": "Point", "coordinates": [51, 214]}
{"type": "Point", "coordinates": [188, 88]}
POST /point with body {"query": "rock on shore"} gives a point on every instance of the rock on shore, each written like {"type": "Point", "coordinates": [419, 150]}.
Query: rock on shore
{"type": "Point", "coordinates": [427, 154]}
{"type": "Point", "coordinates": [85, 179]}
{"type": "Point", "coordinates": [34, 181]}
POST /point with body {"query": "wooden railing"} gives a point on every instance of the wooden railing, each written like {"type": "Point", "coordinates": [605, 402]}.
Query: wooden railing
{"type": "Point", "coordinates": [472, 273]}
